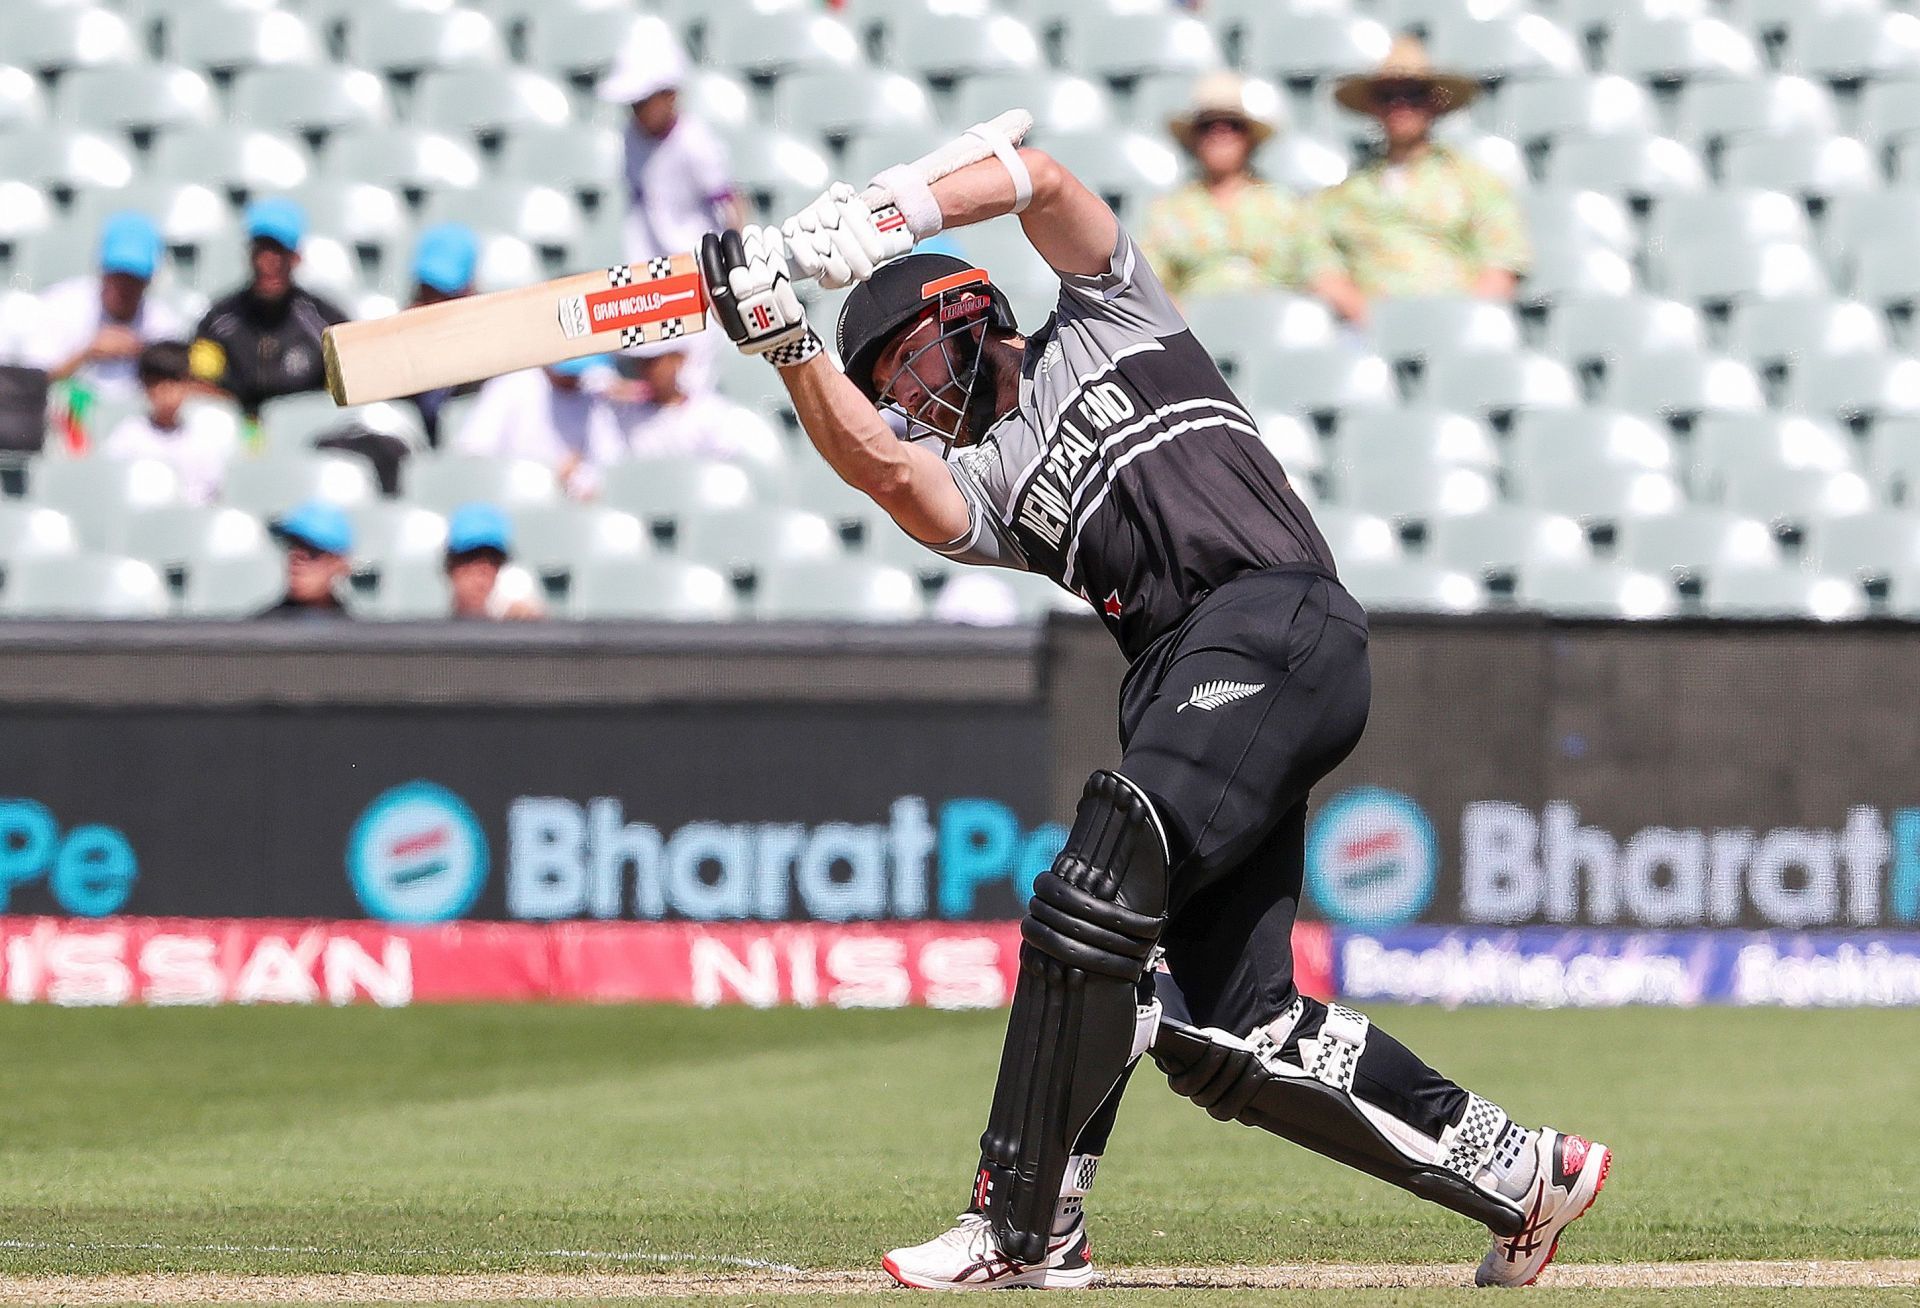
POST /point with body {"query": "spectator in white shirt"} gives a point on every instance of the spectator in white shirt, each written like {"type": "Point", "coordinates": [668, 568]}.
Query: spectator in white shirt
{"type": "Point", "coordinates": [196, 438]}
{"type": "Point", "coordinates": [92, 328]}
{"type": "Point", "coordinates": [668, 418]}
{"type": "Point", "coordinates": [559, 415]}
{"type": "Point", "coordinates": [679, 179]}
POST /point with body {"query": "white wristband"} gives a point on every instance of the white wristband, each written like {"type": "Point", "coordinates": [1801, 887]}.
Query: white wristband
{"type": "Point", "coordinates": [914, 199]}
{"type": "Point", "coordinates": [1010, 160]}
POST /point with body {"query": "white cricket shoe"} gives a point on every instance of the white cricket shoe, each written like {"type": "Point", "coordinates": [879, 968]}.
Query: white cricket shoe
{"type": "Point", "coordinates": [1568, 1174]}
{"type": "Point", "coordinates": [968, 1257]}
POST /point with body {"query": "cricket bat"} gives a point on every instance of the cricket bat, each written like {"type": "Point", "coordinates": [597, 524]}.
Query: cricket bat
{"type": "Point", "coordinates": [481, 336]}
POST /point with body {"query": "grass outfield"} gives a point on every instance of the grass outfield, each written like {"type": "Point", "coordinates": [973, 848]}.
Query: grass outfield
{"type": "Point", "coordinates": [483, 1139]}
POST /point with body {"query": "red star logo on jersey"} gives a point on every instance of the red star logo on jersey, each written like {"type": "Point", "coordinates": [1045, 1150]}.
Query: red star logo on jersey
{"type": "Point", "coordinates": [1112, 604]}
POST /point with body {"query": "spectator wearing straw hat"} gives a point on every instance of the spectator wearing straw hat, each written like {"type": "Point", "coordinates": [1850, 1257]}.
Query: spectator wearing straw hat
{"type": "Point", "coordinates": [1420, 219]}
{"type": "Point", "coordinates": [1229, 230]}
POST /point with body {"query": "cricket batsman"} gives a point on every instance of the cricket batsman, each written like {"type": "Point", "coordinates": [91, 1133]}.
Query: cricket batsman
{"type": "Point", "coordinates": [1106, 451]}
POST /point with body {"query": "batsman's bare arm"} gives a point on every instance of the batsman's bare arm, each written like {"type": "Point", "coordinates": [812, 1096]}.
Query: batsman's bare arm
{"type": "Point", "coordinates": [1071, 228]}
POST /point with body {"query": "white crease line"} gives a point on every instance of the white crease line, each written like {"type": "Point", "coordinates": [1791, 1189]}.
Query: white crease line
{"type": "Point", "coordinates": [581, 1255]}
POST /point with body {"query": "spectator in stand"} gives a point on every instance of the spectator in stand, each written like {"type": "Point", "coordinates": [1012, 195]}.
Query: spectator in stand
{"type": "Point", "coordinates": [263, 340]}
{"type": "Point", "coordinates": [194, 438]}
{"type": "Point", "coordinates": [318, 539]}
{"type": "Point", "coordinates": [92, 329]}
{"type": "Point", "coordinates": [679, 180]}
{"type": "Point", "coordinates": [444, 261]}
{"type": "Point", "coordinates": [664, 417]}
{"type": "Point", "coordinates": [559, 415]}
{"type": "Point", "coordinates": [479, 545]}
{"type": "Point", "coordinates": [1421, 219]}
{"type": "Point", "coordinates": [1228, 230]}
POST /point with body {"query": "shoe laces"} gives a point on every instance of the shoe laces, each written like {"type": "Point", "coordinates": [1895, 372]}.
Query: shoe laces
{"type": "Point", "coordinates": [973, 1233]}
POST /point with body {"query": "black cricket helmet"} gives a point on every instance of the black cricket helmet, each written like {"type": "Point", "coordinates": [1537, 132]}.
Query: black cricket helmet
{"type": "Point", "coordinates": [899, 295]}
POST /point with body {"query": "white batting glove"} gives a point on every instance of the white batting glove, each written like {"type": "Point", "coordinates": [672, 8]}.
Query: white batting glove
{"type": "Point", "coordinates": [750, 291]}
{"type": "Point", "coordinates": [837, 240]}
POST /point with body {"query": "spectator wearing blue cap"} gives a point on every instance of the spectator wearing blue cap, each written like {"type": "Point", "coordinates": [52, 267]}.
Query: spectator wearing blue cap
{"type": "Point", "coordinates": [560, 415]}
{"type": "Point", "coordinates": [445, 259]}
{"type": "Point", "coordinates": [479, 548]}
{"type": "Point", "coordinates": [263, 340]}
{"type": "Point", "coordinates": [92, 328]}
{"type": "Point", "coordinates": [318, 538]}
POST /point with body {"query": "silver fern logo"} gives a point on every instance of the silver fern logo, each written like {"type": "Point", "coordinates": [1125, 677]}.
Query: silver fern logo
{"type": "Point", "coordinates": [1210, 695]}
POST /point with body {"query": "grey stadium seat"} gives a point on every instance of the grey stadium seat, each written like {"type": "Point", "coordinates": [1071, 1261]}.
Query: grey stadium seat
{"type": "Point", "coordinates": [665, 488]}
{"type": "Point", "coordinates": [537, 214]}
{"type": "Point", "coordinates": [1793, 496]}
{"type": "Point", "coordinates": [1522, 45]}
{"type": "Point", "coordinates": [1890, 109]}
{"type": "Point", "coordinates": [401, 42]}
{"type": "Point", "coordinates": [1156, 97]}
{"type": "Point", "coordinates": [658, 590]}
{"type": "Point", "coordinates": [359, 213]}
{"type": "Point", "coordinates": [27, 529]}
{"type": "Point", "coordinates": [22, 102]}
{"type": "Point", "coordinates": [236, 159]}
{"type": "Point", "coordinates": [54, 40]}
{"type": "Point", "coordinates": [485, 100]}
{"type": "Point", "coordinates": [407, 590]}
{"type": "Point", "coordinates": [1059, 101]}
{"type": "Point", "coordinates": [1311, 47]}
{"type": "Point", "coordinates": [1592, 331]}
{"type": "Point", "coordinates": [752, 539]}
{"type": "Point", "coordinates": [148, 97]}
{"type": "Point", "coordinates": [384, 531]}
{"type": "Point", "coordinates": [1117, 165]}
{"type": "Point", "coordinates": [828, 102]}
{"type": "Point", "coordinates": [171, 535]}
{"type": "Point", "coordinates": [838, 590]}
{"type": "Point", "coordinates": [224, 39]}
{"type": "Point", "coordinates": [1355, 536]}
{"type": "Point", "coordinates": [1128, 45]}
{"type": "Point", "coordinates": [1419, 326]}
{"type": "Point", "coordinates": [1886, 273]}
{"type": "Point", "coordinates": [580, 44]}
{"type": "Point", "coordinates": [1410, 586]}
{"type": "Point", "coordinates": [1717, 110]}
{"type": "Point", "coordinates": [1680, 384]}
{"type": "Point", "coordinates": [1563, 271]}
{"type": "Point", "coordinates": [1701, 541]}
{"type": "Point", "coordinates": [1859, 387]}
{"type": "Point", "coordinates": [1792, 333]}
{"type": "Point", "coordinates": [576, 157]}
{"type": "Point", "coordinates": [1724, 443]}
{"type": "Point", "coordinates": [953, 45]}
{"type": "Point", "coordinates": [1415, 493]}
{"type": "Point", "coordinates": [1715, 270]}
{"type": "Point", "coordinates": [1322, 381]}
{"type": "Point", "coordinates": [1417, 438]}
{"type": "Point", "coordinates": [1878, 544]}
{"type": "Point", "coordinates": [313, 100]}
{"type": "Point", "coordinates": [1292, 441]}
{"type": "Point", "coordinates": [1544, 107]}
{"type": "Point", "coordinates": [1242, 330]}
{"type": "Point", "coordinates": [557, 538]}
{"type": "Point", "coordinates": [1850, 46]}
{"type": "Point", "coordinates": [1506, 539]}
{"type": "Point", "coordinates": [1635, 166]}
{"type": "Point", "coordinates": [779, 41]}
{"type": "Point", "coordinates": [269, 484]}
{"type": "Point", "coordinates": [405, 158]}
{"type": "Point", "coordinates": [1548, 438]}
{"type": "Point", "coordinates": [97, 494]}
{"type": "Point", "coordinates": [1893, 452]}
{"type": "Point", "coordinates": [446, 481]}
{"type": "Point", "coordinates": [1680, 49]}
{"type": "Point", "coordinates": [1803, 164]}
{"type": "Point", "coordinates": [83, 586]}
{"type": "Point", "coordinates": [874, 150]}
{"type": "Point", "coordinates": [781, 172]}
{"type": "Point", "coordinates": [1597, 590]}
{"type": "Point", "coordinates": [1498, 384]}
{"type": "Point", "coordinates": [1741, 215]}
{"type": "Point", "coordinates": [292, 423]}
{"type": "Point", "coordinates": [1777, 593]}
{"type": "Point", "coordinates": [236, 586]}
{"type": "Point", "coordinates": [187, 213]}
{"type": "Point", "coordinates": [1601, 493]}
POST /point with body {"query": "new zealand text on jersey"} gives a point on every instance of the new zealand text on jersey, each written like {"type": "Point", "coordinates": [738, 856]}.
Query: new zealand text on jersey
{"type": "Point", "coordinates": [1046, 509]}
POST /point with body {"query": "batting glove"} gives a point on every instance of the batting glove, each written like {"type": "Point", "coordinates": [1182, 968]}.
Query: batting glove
{"type": "Point", "coordinates": [750, 289]}
{"type": "Point", "coordinates": [837, 240]}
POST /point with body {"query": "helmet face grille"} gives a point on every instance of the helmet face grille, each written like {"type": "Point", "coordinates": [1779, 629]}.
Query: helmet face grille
{"type": "Point", "coordinates": [898, 295]}
{"type": "Point", "coordinates": [943, 411]}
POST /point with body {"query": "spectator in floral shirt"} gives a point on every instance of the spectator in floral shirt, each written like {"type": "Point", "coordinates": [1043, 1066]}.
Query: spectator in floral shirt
{"type": "Point", "coordinates": [1228, 230]}
{"type": "Point", "coordinates": [1421, 219]}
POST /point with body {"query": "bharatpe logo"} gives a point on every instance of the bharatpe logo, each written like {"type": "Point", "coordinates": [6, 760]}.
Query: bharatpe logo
{"type": "Point", "coordinates": [417, 855]}
{"type": "Point", "coordinates": [1371, 858]}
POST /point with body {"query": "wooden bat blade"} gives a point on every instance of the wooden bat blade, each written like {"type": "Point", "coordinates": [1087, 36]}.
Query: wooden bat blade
{"type": "Point", "coordinates": [481, 336]}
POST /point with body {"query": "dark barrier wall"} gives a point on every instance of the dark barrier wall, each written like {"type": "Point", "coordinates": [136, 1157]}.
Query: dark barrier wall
{"type": "Point", "coordinates": [1514, 772]}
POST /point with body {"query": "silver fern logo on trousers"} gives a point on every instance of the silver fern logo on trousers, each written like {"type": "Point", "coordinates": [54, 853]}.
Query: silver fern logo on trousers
{"type": "Point", "coordinates": [1210, 695]}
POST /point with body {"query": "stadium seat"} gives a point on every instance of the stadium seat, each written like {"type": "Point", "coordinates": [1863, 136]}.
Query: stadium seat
{"type": "Point", "coordinates": [241, 161]}
{"type": "Point", "coordinates": [1304, 164]}
{"type": "Point", "coordinates": [1415, 492]}
{"type": "Point", "coordinates": [1410, 586]}
{"type": "Point", "coordinates": [949, 45]}
{"type": "Point", "coordinates": [171, 535]}
{"type": "Point", "coordinates": [664, 489]}
{"type": "Point", "coordinates": [537, 214]}
{"type": "Point", "coordinates": [404, 158]}
{"type": "Point", "coordinates": [1733, 215]}
{"type": "Point", "coordinates": [1848, 47]}
{"type": "Point", "coordinates": [1129, 45]}
{"type": "Point", "coordinates": [1804, 164]}
{"type": "Point", "coordinates": [1117, 165]}
{"type": "Point", "coordinates": [1726, 269]}
{"type": "Point", "coordinates": [884, 543]}
{"type": "Point", "coordinates": [657, 590]}
{"type": "Point", "coordinates": [235, 586]}
{"type": "Point", "coordinates": [780, 173]}
{"type": "Point", "coordinates": [51, 41]}
{"type": "Point", "coordinates": [748, 540]}
{"type": "Point", "coordinates": [1773, 19]}
{"type": "Point", "coordinates": [1859, 388]}
{"type": "Point", "coordinates": [1293, 442]}
{"type": "Point", "coordinates": [1504, 540]}
{"type": "Point", "coordinates": [187, 213]}
{"type": "Point", "coordinates": [1592, 331]}
{"type": "Point", "coordinates": [1542, 107]}
{"type": "Point", "coordinates": [837, 590]}
{"type": "Point", "coordinates": [1309, 48]}
{"type": "Point", "coordinates": [313, 100]}
{"type": "Point", "coordinates": [1680, 49]}
{"type": "Point", "coordinates": [768, 43]}
{"type": "Point", "coordinates": [1777, 593]}
{"type": "Point", "coordinates": [1600, 493]}
{"type": "Point", "coordinates": [1717, 110]}
{"type": "Point", "coordinates": [555, 539]}
{"type": "Point", "coordinates": [723, 100]}
{"type": "Point", "coordinates": [1893, 453]}
{"type": "Point", "coordinates": [402, 42]}
{"type": "Point", "coordinates": [358, 213]}
{"type": "Point", "coordinates": [1157, 97]}
{"type": "Point", "coordinates": [1510, 46]}
{"type": "Point", "coordinates": [1356, 537]}
{"type": "Point", "coordinates": [446, 481]}
{"type": "Point", "coordinates": [1877, 544]}
{"type": "Point", "coordinates": [97, 494]}
{"type": "Point", "coordinates": [1499, 384]}
{"type": "Point", "coordinates": [1417, 438]}
{"type": "Point", "coordinates": [877, 149]}
{"type": "Point", "coordinates": [577, 158]}
{"type": "Point", "coordinates": [1889, 109]}
{"type": "Point", "coordinates": [270, 484]}
{"type": "Point", "coordinates": [1568, 271]}
{"type": "Point", "coordinates": [1323, 381]}
{"type": "Point", "coordinates": [1696, 541]}
{"type": "Point", "coordinates": [225, 39]}
{"type": "Point", "coordinates": [1794, 497]}
{"type": "Point", "coordinates": [1782, 335]}
{"type": "Point", "coordinates": [1418, 327]}
{"type": "Point", "coordinates": [1681, 385]}
{"type": "Point", "coordinates": [1059, 101]}
{"type": "Point", "coordinates": [1884, 272]}
{"type": "Point", "coordinates": [83, 586]}
{"type": "Point", "coordinates": [405, 590]}
{"type": "Point", "coordinates": [1638, 167]}
{"type": "Point", "coordinates": [1547, 440]}
{"type": "Point", "coordinates": [22, 103]}
{"type": "Point", "coordinates": [291, 423]}
{"type": "Point", "coordinates": [54, 253]}
{"type": "Point", "coordinates": [580, 44]}
{"type": "Point", "coordinates": [1597, 590]}
{"type": "Point", "coordinates": [27, 529]}
{"type": "Point", "coordinates": [1240, 331]}
{"type": "Point", "coordinates": [384, 531]}
{"type": "Point", "coordinates": [25, 211]}
{"type": "Point", "coordinates": [144, 98]}
{"type": "Point", "coordinates": [827, 102]}
{"type": "Point", "coordinates": [480, 101]}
